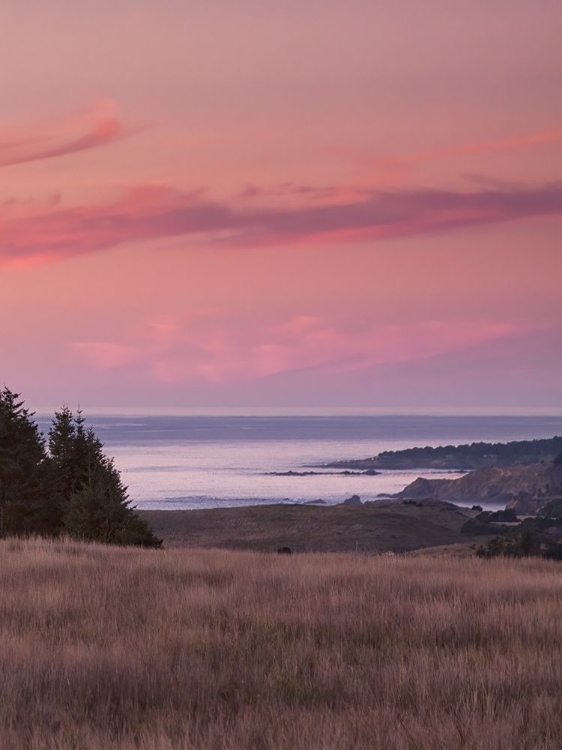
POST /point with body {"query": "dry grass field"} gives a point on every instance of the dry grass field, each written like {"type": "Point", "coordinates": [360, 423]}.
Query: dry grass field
{"type": "Point", "coordinates": [383, 526]}
{"type": "Point", "coordinates": [218, 650]}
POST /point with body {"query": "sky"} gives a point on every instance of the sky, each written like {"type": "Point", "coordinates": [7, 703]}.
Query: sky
{"type": "Point", "coordinates": [253, 204]}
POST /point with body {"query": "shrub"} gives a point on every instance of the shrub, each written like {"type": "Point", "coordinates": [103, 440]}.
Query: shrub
{"type": "Point", "coordinates": [475, 527]}
{"type": "Point", "coordinates": [498, 516]}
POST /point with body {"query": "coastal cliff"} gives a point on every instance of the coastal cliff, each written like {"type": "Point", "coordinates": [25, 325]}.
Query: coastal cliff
{"type": "Point", "coordinates": [524, 488]}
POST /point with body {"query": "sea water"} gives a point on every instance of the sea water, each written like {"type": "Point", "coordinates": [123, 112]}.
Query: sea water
{"type": "Point", "coordinates": [219, 460]}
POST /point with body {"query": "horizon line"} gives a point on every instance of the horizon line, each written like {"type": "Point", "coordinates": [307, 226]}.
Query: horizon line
{"type": "Point", "coordinates": [303, 411]}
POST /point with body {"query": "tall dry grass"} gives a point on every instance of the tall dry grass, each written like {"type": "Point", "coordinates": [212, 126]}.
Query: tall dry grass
{"type": "Point", "coordinates": [120, 648]}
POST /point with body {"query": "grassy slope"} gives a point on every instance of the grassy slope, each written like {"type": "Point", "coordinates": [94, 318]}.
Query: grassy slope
{"type": "Point", "coordinates": [378, 527]}
{"type": "Point", "coordinates": [209, 649]}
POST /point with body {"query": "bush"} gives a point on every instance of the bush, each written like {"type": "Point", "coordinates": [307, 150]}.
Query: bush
{"type": "Point", "coordinates": [552, 509]}
{"type": "Point", "coordinates": [535, 538]}
{"type": "Point", "coordinates": [474, 527]}
{"type": "Point", "coordinates": [498, 516]}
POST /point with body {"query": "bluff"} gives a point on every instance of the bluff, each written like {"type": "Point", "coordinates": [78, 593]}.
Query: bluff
{"type": "Point", "coordinates": [524, 488]}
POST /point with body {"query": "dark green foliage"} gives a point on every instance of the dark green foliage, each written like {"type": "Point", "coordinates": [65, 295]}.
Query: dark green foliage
{"type": "Point", "coordinates": [537, 537]}
{"type": "Point", "coordinates": [23, 467]}
{"type": "Point", "coordinates": [74, 490]}
{"type": "Point", "coordinates": [103, 515]}
{"type": "Point", "coordinates": [476, 455]}
{"type": "Point", "coordinates": [475, 527]}
{"type": "Point", "coordinates": [62, 437]}
{"type": "Point", "coordinates": [519, 545]}
{"type": "Point", "coordinates": [489, 522]}
{"type": "Point", "coordinates": [94, 499]}
{"type": "Point", "coordinates": [552, 509]}
{"type": "Point", "coordinates": [498, 516]}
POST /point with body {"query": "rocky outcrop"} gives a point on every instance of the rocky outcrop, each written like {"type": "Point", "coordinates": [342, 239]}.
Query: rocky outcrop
{"type": "Point", "coordinates": [523, 488]}
{"type": "Point", "coordinates": [353, 500]}
{"type": "Point", "coordinates": [346, 473]}
{"type": "Point", "coordinates": [421, 489]}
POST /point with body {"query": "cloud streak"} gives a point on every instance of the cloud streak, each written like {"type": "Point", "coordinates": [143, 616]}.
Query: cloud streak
{"type": "Point", "coordinates": [149, 213]}
{"type": "Point", "coordinates": [472, 149]}
{"type": "Point", "coordinates": [395, 167]}
{"type": "Point", "coordinates": [209, 350]}
{"type": "Point", "coordinates": [97, 127]}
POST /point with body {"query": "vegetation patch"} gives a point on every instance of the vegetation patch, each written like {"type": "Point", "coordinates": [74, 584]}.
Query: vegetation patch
{"type": "Point", "coordinates": [109, 647]}
{"type": "Point", "coordinates": [65, 487]}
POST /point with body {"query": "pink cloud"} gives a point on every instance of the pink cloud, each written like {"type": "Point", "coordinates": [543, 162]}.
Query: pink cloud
{"type": "Point", "coordinates": [505, 144]}
{"type": "Point", "coordinates": [209, 350]}
{"type": "Point", "coordinates": [397, 167]}
{"type": "Point", "coordinates": [153, 212]}
{"type": "Point", "coordinates": [104, 355]}
{"type": "Point", "coordinates": [96, 127]}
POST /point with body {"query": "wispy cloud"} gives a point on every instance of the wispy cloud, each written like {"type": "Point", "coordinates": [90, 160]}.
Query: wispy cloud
{"type": "Point", "coordinates": [290, 189]}
{"type": "Point", "coordinates": [506, 144]}
{"type": "Point", "coordinates": [98, 126]}
{"type": "Point", "coordinates": [398, 166]}
{"type": "Point", "coordinates": [152, 212]}
{"type": "Point", "coordinates": [208, 348]}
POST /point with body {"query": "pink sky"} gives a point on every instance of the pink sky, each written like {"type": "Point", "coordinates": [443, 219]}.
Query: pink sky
{"type": "Point", "coordinates": [296, 204]}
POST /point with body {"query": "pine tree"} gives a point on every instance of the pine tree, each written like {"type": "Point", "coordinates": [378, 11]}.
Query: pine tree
{"type": "Point", "coordinates": [61, 460]}
{"type": "Point", "coordinates": [76, 489]}
{"type": "Point", "coordinates": [24, 501]}
{"type": "Point", "coordinates": [95, 504]}
{"type": "Point", "coordinates": [62, 436]}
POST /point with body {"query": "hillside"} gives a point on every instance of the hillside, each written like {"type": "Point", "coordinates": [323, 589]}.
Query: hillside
{"type": "Point", "coordinates": [525, 488]}
{"type": "Point", "coordinates": [135, 649]}
{"type": "Point", "coordinates": [374, 527]}
{"type": "Point", "coordinates": [460, 457]}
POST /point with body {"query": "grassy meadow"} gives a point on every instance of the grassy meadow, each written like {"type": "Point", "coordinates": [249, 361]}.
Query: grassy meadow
{"type": "Point", "coordinates": [219, 650]}
{"type": "Point", "coordinates": [384, 526]}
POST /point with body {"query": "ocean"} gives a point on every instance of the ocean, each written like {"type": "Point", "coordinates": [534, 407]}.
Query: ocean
{"type": "Point", "coordinates": [218, 460]}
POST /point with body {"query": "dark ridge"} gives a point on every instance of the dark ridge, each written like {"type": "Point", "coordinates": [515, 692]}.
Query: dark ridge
{"type": "Point", "coordinates": [461, 457]}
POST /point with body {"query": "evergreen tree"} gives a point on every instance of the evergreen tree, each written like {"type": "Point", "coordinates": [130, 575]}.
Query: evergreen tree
{"type": "Point", "coordinates": [61, 473]}
{"type": "Point", "coordinates": [76, 489]}
{"type": "Point", "coordinates": [24, 501]}
{"type": "Point", "coordinates": [62, 436]}
{"type": "Point", "coordinates": [93, 497]}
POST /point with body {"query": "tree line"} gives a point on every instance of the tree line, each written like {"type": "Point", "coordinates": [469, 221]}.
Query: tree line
{"type": "Point", "coordinates": [62, 485]}
{"type": "Point", "coordinates": [516, 449]}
